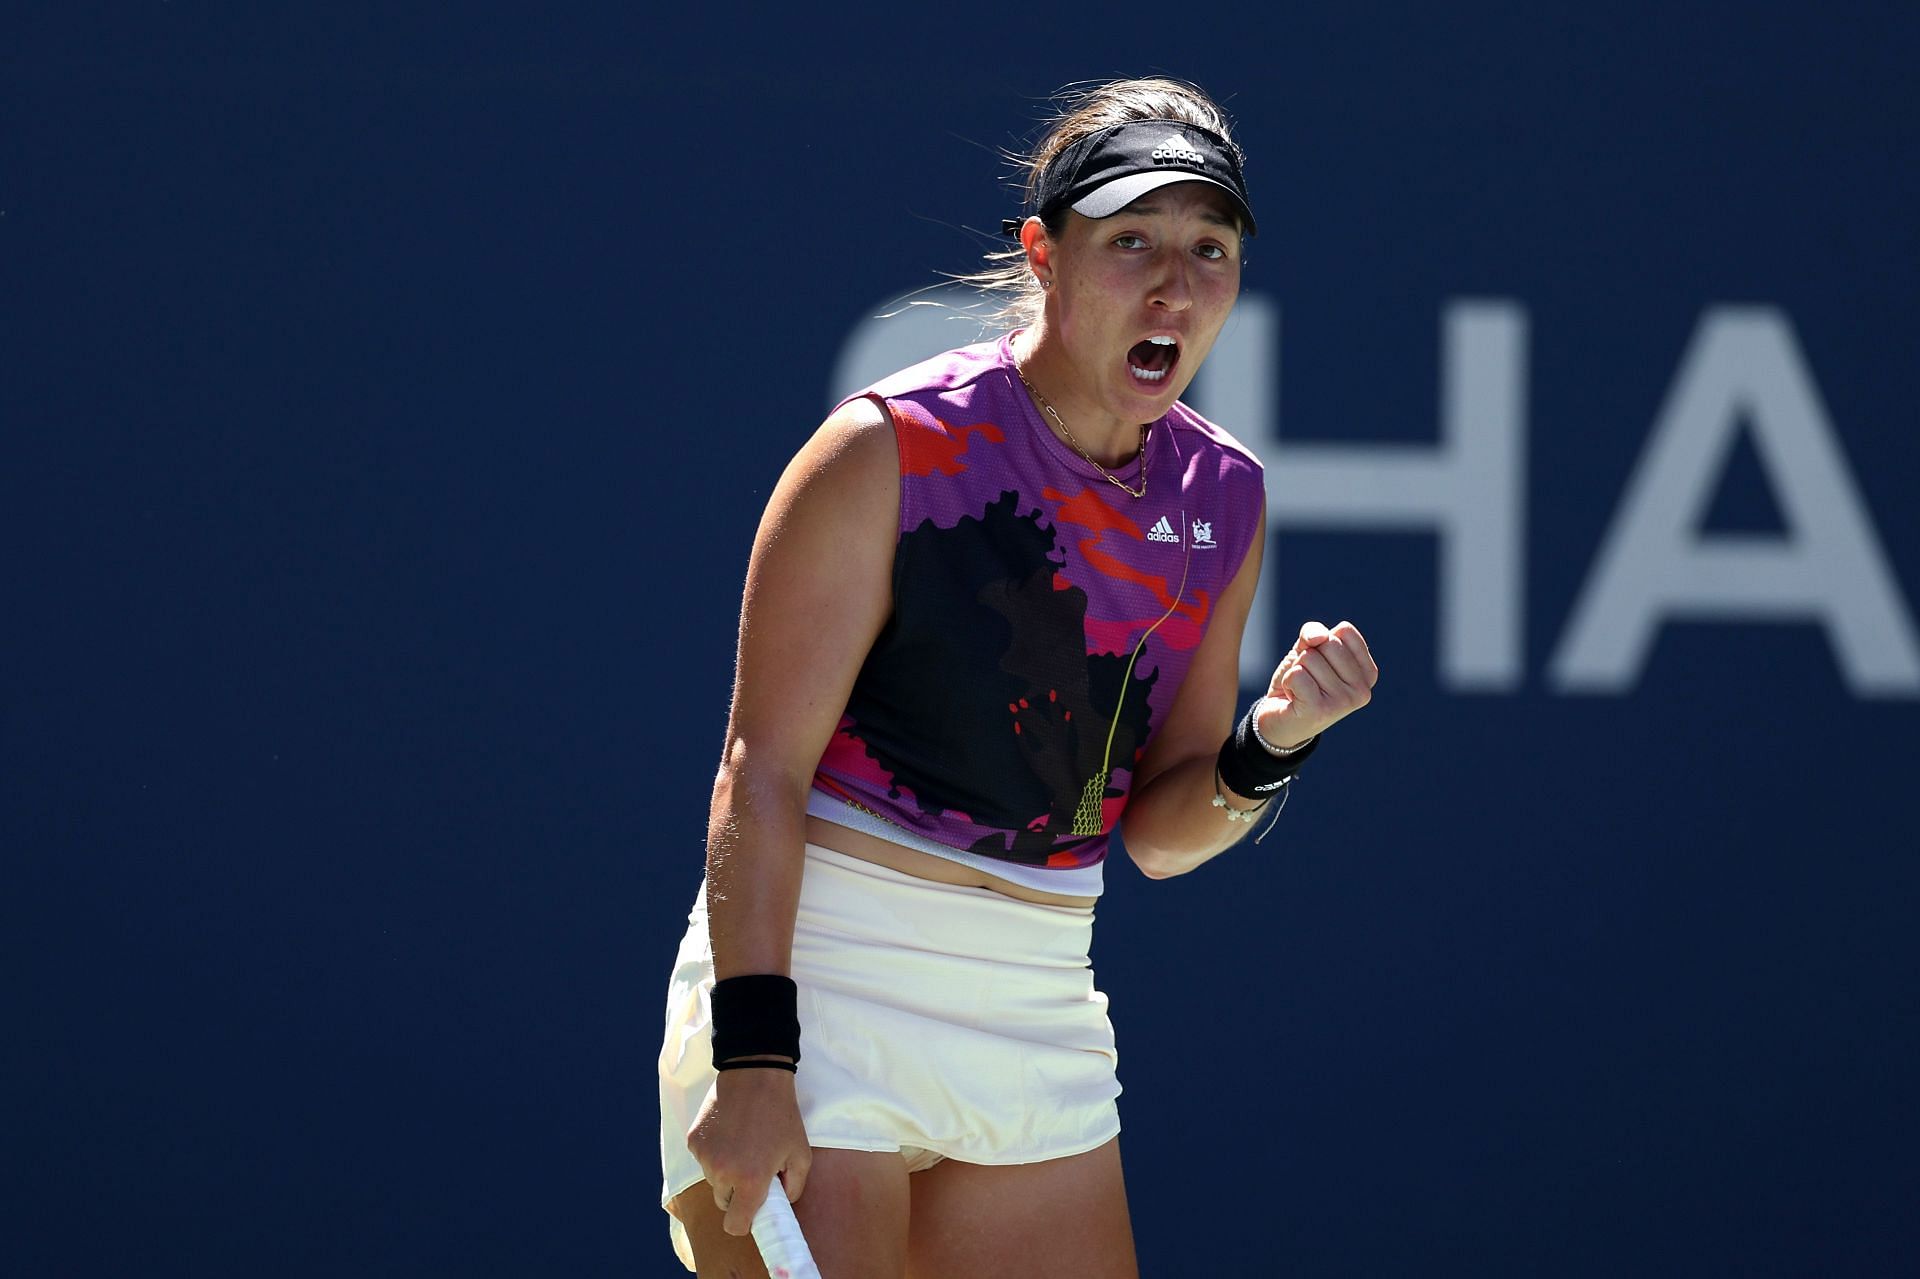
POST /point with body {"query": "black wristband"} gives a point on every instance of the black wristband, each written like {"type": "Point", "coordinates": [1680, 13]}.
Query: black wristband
{"type": "Point", "coordinates": [1252, 771]}
{"type": "Point", "coordinates": [755, 1015]}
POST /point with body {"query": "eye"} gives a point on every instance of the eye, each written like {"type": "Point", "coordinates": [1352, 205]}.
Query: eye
{"type": "Point", "coordinates": [1212, 252]}
{"type": "Point", "coordinates": [1129, 241]}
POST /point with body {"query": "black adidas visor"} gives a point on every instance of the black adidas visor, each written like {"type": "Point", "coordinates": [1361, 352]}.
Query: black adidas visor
{"type": "Point", "coordinates": [1104, 172]}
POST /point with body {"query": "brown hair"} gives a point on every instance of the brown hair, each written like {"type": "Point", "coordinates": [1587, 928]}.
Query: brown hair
{"type": "Point", "coordinates": [1081, 110]}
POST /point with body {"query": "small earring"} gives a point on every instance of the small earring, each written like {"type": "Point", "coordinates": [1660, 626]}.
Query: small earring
{"type": "Point", "coordinates": [1046, 284]}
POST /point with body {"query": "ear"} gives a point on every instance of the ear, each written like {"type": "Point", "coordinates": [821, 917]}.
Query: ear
{"type": "Point", "coordinates": [1039, 246]}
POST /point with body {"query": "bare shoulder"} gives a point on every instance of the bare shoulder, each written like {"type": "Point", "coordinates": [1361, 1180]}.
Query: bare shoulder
{"type": "Point", "coordinates": [859, 419]}
{"type": "Point", "coordinates": [855, 445]}
{"type": "Point", "coordinates": [819, 586]}
{"type": "Point", "coordinates": [836, 507]}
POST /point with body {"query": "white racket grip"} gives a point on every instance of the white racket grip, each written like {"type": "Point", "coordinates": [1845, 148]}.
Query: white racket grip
{"type": "Point", "coordinates": [777, 1233]}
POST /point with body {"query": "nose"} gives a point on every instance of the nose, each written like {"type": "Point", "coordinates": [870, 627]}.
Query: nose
{"type": "Point", "coordinates": [1172, 290]}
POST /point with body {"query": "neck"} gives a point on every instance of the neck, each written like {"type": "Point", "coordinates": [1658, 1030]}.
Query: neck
{"type": "Point", "coordinates": [1110, 441]}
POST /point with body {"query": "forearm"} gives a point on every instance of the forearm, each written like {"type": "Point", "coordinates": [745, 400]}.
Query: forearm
{"type": "Point", "coordinates": [1172, 824]}
{"type": "Point", "coordinates": [756, 831]}
{"type": "Point", "coordinates": [750, 1129]}
{"type": "Point", "coordinates": [1214, 799]}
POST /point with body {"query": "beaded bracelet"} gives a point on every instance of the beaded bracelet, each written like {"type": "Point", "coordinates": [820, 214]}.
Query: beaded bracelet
{"type": "Point", "coordinates": [1235, 814]}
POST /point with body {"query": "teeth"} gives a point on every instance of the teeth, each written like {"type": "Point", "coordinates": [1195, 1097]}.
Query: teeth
{"type": "Point", "coordinates": [1163, 341]}
{"type": "Point", "coordinates": [1145, 376]}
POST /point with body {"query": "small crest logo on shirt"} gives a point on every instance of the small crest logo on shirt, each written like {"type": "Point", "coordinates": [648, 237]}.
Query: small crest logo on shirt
{"type": "Point", "coordinates": [1163, 532]}
{"type": "Point", "coordinates": [1203, 536]}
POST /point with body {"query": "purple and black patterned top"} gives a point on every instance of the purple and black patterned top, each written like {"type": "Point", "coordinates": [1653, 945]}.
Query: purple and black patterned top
{"type": "Point", "coordinates": [1042, 623]}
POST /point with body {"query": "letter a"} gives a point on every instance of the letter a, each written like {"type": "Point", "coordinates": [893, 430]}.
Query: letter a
{"type": "Point", "coordinates": [1656, 564]}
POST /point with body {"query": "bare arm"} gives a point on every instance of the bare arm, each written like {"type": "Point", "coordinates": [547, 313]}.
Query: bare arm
{"type": "Point", "coordinates": [1171, 824]}
{"type": "Point", "coordinates": [818, 591]}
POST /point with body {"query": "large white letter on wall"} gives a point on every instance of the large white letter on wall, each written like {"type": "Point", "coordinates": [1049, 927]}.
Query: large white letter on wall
{"type": "Point", "coordinates": [1656, 564]}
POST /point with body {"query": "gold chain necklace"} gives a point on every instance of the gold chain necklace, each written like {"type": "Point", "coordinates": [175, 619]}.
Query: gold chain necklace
{"type": "Point", "coordinates": [1054, 413]}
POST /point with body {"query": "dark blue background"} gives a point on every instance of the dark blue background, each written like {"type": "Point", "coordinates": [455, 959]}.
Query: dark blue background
{"type": "Point", "coordinates": [388, 402]}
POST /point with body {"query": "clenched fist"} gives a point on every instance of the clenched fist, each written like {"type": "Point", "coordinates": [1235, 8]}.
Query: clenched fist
{"type": "Point", "coordinates": [1326, 676]}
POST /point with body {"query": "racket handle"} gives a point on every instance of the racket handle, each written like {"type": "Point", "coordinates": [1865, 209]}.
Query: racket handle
{"type": "Point", "coordinates": [777, 1233]}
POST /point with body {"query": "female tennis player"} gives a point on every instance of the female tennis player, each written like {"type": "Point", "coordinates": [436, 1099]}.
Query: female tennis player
{"type": "Point", "coordinates": [993, 615]}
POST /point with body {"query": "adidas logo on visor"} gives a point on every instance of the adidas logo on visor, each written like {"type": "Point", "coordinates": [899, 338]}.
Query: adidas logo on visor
{"type": "Point", "coordinates": [1177, 150]}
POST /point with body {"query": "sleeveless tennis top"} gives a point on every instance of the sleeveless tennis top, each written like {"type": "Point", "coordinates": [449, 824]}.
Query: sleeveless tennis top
{"type": "Point", "coordinates": [1042, 624]}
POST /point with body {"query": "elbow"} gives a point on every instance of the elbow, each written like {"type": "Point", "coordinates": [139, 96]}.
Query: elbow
{"type": "Point", "coordinates": [745, 776]}
{"type": "Point", "coordinates": [1157, 863]}
{"type": "Point", "coordinates": [1161, 851]}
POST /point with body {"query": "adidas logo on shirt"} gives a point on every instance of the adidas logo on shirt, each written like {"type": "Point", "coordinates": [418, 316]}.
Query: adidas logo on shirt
{"type": "Point", "coordinates": [1162, 532]}
{"type": "Point", "coordinates": [1177, 150]}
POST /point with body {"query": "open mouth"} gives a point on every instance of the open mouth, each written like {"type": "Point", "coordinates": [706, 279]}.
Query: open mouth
{"type": "Point", "coordinates": [1153, 359]}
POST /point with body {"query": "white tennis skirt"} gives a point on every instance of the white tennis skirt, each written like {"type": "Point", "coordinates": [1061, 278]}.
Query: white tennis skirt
{"type": "Point", "coordinates": [935, 1020]}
